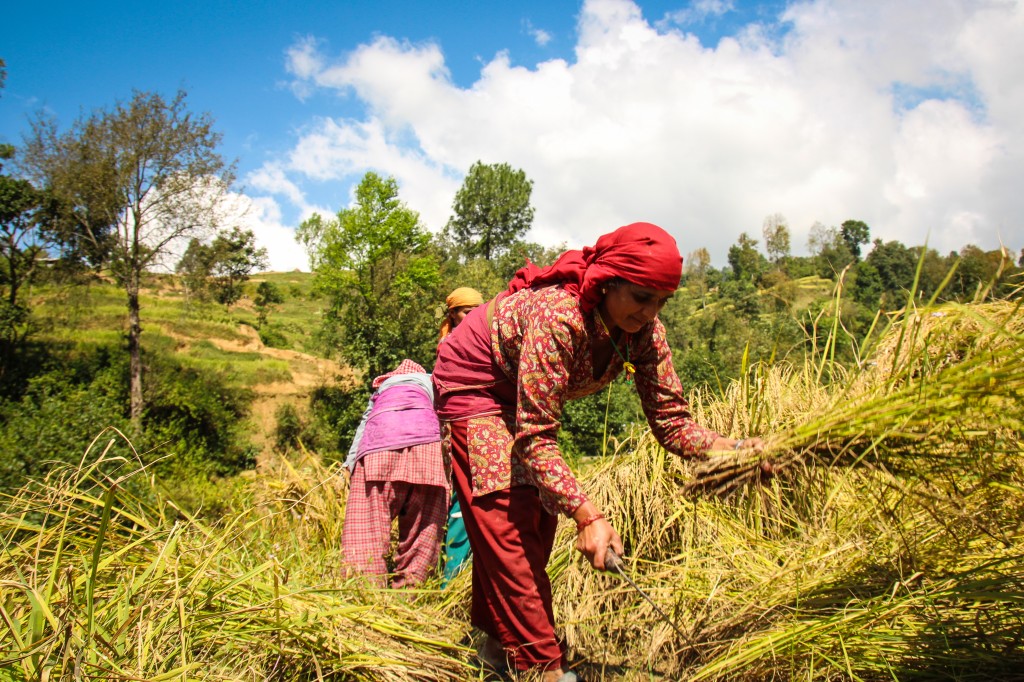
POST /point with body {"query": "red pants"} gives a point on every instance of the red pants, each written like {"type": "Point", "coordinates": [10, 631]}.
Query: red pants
{"type": "Point", "coordinates": [511, 536]}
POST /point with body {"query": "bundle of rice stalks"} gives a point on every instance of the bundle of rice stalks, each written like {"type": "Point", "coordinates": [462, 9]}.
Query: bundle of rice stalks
{"type": "Point", "coordinates": [302, 504]}
{"type": "Point", "coordinates": [99, 583]}
{"type": "Point", "coordinates": [942, 383]}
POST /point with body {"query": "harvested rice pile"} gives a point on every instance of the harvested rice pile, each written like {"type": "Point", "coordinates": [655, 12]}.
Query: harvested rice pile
{"type": "Point", "coordinates": [891, 545]}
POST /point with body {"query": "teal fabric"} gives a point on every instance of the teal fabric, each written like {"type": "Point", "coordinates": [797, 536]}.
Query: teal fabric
{"type": "Point", "coordinates": [456, 543]}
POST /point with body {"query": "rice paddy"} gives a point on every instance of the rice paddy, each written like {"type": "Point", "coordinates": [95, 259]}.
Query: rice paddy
{"type": "Point", "coordinates": [889, 545]}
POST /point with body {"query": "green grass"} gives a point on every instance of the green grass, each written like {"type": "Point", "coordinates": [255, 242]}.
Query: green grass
{"type": "Point", "coordinates": [247, 369]}
{"type": "Point", "coordinates": [97, 314]}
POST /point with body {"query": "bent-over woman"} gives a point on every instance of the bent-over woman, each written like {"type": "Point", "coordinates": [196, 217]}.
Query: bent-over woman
{"type": "Point", "coordinates": [397, 474]}
{"type": "Point", "coordinates": [502, 379]}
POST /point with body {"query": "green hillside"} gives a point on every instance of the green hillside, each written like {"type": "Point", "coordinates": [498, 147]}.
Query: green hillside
{"type": "Point", "coordinates": [217, 383]}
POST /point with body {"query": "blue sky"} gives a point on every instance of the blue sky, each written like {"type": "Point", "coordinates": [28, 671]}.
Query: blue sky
{"type": "Point", "coordinates": [706, 117]}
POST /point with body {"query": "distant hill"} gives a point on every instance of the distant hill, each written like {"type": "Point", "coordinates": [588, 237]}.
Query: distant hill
{"type": "Point", "coordinates": [281, 367]}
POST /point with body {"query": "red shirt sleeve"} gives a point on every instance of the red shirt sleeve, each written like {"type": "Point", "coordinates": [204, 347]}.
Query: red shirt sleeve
{"type": "Point", "coordinates": [661, 395]}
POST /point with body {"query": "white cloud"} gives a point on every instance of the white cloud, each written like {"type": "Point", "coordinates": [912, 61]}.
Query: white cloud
{"type": "Point", "coordinates": [541, 37]}
{"type": "Point", "coordinates": [263, 216]}
{"type": "Point", "coordinates": [648, 124]}
{"type": "Point", "coordinates": [303, 62]}
{"type": "Point", "coordinates": [698, 12]}
{"type": "Point", "coordinates": [271, 178]}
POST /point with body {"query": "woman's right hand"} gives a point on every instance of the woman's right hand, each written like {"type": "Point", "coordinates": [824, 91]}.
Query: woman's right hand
{"type": "Point", "coordinates": [595, 539]}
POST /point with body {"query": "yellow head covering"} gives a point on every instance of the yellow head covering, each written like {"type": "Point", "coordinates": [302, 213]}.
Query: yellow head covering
{"type": "Point", "coordinates": [463, 296]}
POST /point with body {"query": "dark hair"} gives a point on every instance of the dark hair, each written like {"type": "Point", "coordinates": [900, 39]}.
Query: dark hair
{"type": "Point", "coordinates": [616, 282]}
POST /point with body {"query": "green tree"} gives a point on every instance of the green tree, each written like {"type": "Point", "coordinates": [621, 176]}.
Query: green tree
{"type": "Point", "coordinates": [896, 265]}
{"type": "Point", "coordinates": [854, 233]}
{"type": "Point", "coordinates": [234, 256]}
{"type": "Point", "coordinates": [267, 295]}
{"type": "Point", "coordinates": [830, 252]}
{"type": "Point", "coordinates": [195, 267]}
{"type": "Point", "coordinates": [695, 272]}
{"type": "Point", "coordinates": [491, 210]}
{"type": "Point", "coordinates": [20, 249]}
{"type": "Point", "coordinates": [980, 273]}
{"type": "Point", "coordinates": [20, 253]}
{"type": "Point", "coordinates": [744, 259]}
{"type": "Point", "coordinates": [776, 238]}
{"type": "Point", "coordinates": [149, 171]}
{"type": "Point", "coordinates": [79, 180]}
{"type": "Point", "coordinates": [934, 269]}
{"type": "Point", "coordinates": [867, 286]}
{"type": "Point", "coordinates": [375, 264]}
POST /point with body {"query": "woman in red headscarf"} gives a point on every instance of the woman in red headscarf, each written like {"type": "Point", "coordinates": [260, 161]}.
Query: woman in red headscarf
{"type": "Point", "coordinates": [501, 381]}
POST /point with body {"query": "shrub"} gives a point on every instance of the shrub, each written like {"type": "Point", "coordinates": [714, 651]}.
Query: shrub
{"type": "Point", "coordinates": [198, 416]}
{"type": "Point", "coordinates": [194, 422]}
{"type": "Point", "coordinates": [273, 337]}
{"type": "Point", "coordinates": [337, 412]}
{"type": "Point", "coordinates": [288, 428]}
{"type": "Point", "coordinates": [54, 421]}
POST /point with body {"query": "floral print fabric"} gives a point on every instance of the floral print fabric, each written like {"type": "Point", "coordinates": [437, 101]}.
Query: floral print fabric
{"type": "Point", "coordinates": [541, 341]}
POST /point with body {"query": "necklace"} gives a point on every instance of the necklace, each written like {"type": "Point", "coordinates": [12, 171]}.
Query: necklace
{"type": "Point", "coordinates": [626, 364]}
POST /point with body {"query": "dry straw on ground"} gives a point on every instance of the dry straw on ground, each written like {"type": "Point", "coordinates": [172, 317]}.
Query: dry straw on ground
{"type": "Point", "coordinates": [101, 585]}
{"type": "Point", "coordinates": [889, 546]}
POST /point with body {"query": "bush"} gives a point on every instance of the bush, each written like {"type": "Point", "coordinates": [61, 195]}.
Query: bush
{"type": "Point", "coordinates": [288, 428]}
{"type": "Point", "coordinates": [336, 413]}
{"type": "Point", "coordinates": [54, 421]}
{"type": "Point", "coordinates": [198, 416]}
{"type": "Point", "coordinates": [194, 422]}
{"type": "Point", "coordinates": [273, 337]}
{"type": "Point", "coordinates": [583, 421]}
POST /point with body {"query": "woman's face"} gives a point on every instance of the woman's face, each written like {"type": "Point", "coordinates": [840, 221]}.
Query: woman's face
{"type": "Point", "coordinates": [458, 314]}
{"type": "Point", "coordinates": [630, 306]}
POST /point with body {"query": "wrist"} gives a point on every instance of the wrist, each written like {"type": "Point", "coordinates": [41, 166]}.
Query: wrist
{"type": "Point", "coordinates": [583, 523]}
{"type": "Point", "coordinates": [581, 512]}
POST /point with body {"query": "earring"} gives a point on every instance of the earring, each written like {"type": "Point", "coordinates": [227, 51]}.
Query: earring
{"type": "Point", "coordinates": [604, 290]}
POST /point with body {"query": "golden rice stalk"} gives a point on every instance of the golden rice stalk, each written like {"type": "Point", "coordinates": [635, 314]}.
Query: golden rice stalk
{"type": "Point", "coordinates": [907, 556]}
{"type": "Point", "coordinates": [100, 583]}
{"type": "Point", "coordinates": [944, 376]}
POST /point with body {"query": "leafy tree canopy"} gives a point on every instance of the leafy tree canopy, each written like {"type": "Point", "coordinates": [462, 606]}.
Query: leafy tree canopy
{"type": "Point", "coordinates": [776, 238]}
{"type": "Point", "coordinates": [491, 210]}
{"type": "Point", "coordinates": [854, 234]}
{"type": "Point", "coordinates": [375, 263]}
{"type": "Point", "coordinates": [129, 182]}
{"type": "Point", "coordinates": [744, 258]}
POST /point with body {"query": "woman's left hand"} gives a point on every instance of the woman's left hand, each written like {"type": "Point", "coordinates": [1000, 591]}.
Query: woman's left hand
{"type": "Point", "coordinates": [596, 537]}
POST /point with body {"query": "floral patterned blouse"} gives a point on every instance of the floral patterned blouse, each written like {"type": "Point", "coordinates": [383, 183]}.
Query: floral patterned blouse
{"type": "Point", "coordinates": [541, 341]}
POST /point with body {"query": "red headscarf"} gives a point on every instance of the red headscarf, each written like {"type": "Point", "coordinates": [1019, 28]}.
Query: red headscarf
{"type": "Point", "coordinates": [641, 253]}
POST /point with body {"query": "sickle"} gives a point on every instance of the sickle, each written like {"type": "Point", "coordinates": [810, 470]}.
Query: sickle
{"type": "Point", "coordinates": [612, 561]}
